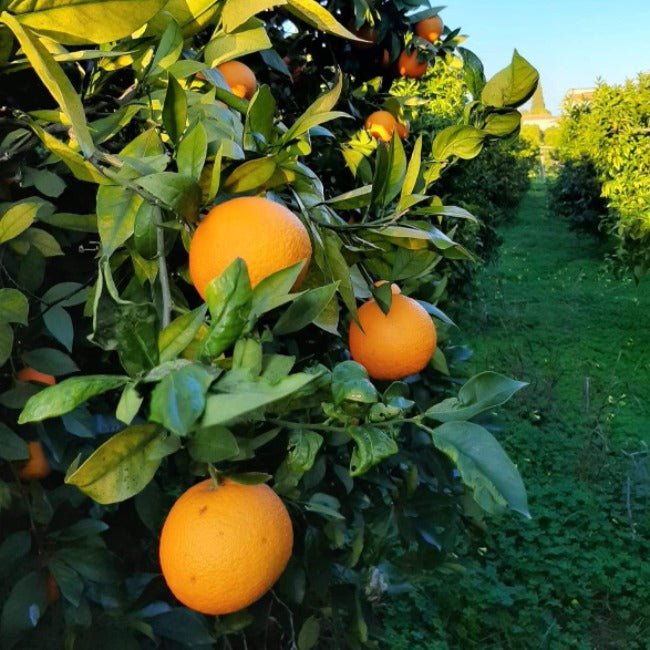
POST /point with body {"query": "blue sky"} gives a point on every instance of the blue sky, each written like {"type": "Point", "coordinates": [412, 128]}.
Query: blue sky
{"type": "Point", "coordinates": [571, 42]}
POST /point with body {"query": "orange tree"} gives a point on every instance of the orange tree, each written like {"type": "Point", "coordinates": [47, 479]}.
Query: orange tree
{"type": "Point", "coordinates": [117, 132]}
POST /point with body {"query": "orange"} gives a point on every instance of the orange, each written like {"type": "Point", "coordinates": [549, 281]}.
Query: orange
{"type": "Point", "coordinates": [381, 125]}
{"type": "Point", "coordinates": [222, 548]}
{"type": "Point", "coordinates": [265, 234]}
{"type": "Point", "coordinates": [410, 66]}
{"type": "Point", "coordinates": [240, 78]}
{"type": "Point", "coordinates": [29, 374]}
{"type": "Point", "coordinates": [53, 593]}
{"type": "Point", "coordinates": [430, 29]}
{"type": "Point", "coordinates": [394, 345]}
{"type": "Point", "coordinates": [402, 130]}
{"type": "Point", "coordinates": [37, 466]}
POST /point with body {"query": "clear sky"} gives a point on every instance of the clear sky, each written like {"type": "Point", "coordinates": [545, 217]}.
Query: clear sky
{"type": "Point", "coordinates": [570, 42]}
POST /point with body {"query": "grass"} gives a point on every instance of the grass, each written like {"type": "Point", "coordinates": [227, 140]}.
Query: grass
{"type": "Point", "coordinates": [551, 313]}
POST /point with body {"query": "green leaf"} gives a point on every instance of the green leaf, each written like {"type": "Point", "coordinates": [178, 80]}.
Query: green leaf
{"type": "Point", "coordinates": [6, 342]}
{"type": "Point", "coordinates": [251, 175]}
{"type": "Point", "coordinates": [483, 466]}
{"type": "Point", "coordinates": [169, 49]}
{"type": "Point", "coordinates": [249, 37]}
{"type": "Point", "coordinates": [259, 128]}
{"type": "Point", "coordinates": [473, 72]}
{"type": "Point", "coordinates": [12, 447]}
{"type": "Point", "coordinates": [23, 608]}
{"type": "Point", "coordinates": [372, 446]}
{"type": "Point", "coordinates": [122, 466]}
{"type": "Point", "coordinates": [68, 221]}
{"type": "Point", "coordinates": [317, 16]}
{"type": "Point", "coordinates": [180, 194]}
{"type": "Point", "coordinates": [129, 404]}
{"type": "Point", "coordinates": [512, 86]}
{"type": "Point", "coordinates": [244, 399]}
{"type": "Point", "coordinates": [14, 547]}
{"type": "Point", "coordinates": [462, 141]}
{"type": "Point", "coordinates": [67, 395]}
{"type": "Point", "coordinates": [212, 445]}
{"type": "Point", "coordinates": [59, 324]}
{"type": "Point", "coordinates": [180, 333]}
{"type": "Point", "coordinates": [482, 392]}
{"type": "Point", "coordinates": [340, 269]}
{"type": "Point", "coordinates": [306, 122]}
{"type": "Point", "coordinates": [356, 198]}
{"type": "Point", "coordinates": [179, 399]}
{"type": "Point", "coordinates": [17, 219]}
{"type": "Point", "coordinates": [229, 299]}
{"type": "Point", "coordinates": [502, 123]}
{"type": "Point", "coordinates": [273, 290]}
{"type": "Point", "coordinates": [305, 309]}
{"type": "Point", "coordinates": [350, 383]}
{"type": "Point", "coordinates": [237, 12]}
{"type": "Point", "coordinates": [53, 78]}
{"type": "Point", "coordinates": [412, 172]}
{"type": "Point", "coordinates": [191, 15]}
{"type": "Point", "coordinates": [77, 22]}
{"type": "Point", "coordinates": [117, 209]}
{"type": "Point", "coordinates": [45, 243]}
{"type": "Point", "coordinates": [309, 634]}
{"type": "Point", "coordinates": [50, 361]}
{"type": "Point", "coordinates": [303, 447]}
{"type": "Point", "coordinates": [14, 306]}
{"type": "Point", "coordinates": [174, 112]}
{"type": "Point", "coordinates": [192, 152]}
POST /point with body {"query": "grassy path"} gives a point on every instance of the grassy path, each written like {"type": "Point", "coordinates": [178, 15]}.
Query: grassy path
{"type": "Point", "coordinates": [578, 576]}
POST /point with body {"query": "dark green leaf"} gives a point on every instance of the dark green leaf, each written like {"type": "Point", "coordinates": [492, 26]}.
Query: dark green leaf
{"type": "Point", "coordinates": [12, 447]}
{"type": "Point", "coordinates": [483, 466]}
{"type": "Point", "coordinates": [212, 445]}
{"type": "Point", "coordinates": [174, 112]}
{"type": "Point", "coordinates": [23, 608]}
{"type": "Point", "coordinates": [59, 324]}
{"type": "Point", "coordinates": [305, 309]}
{"type": "Point", "coordinates": [482, 392]}
{"type": "Point", "coordinates": [192, 152]}
{"type": "Point", "coordinates": [350, 383]}
{"type": "Point", "coordinates": [180, 194]}
{"type": "Point", "coordinates": [14, 547]}
{"type": "Point", "coordinates": [180, 333]}
{"type": "Point", "coordinates": [372, 446]}
{"type": "Point", "coordinates": [229, 299]}
{"type": "Point", "coordinates": [50, 361]}
{"type": "Point", "coordinates": [462, 141]}
{"type": "Point", "coordinates": [309, 634]}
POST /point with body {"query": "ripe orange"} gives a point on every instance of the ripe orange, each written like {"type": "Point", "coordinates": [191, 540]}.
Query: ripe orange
{"type": "Point", "coordinates": [402, 130]}
{"type": "Point", "coordinates": [37, 467]}
{"type": "Point", "coordinates": [53, 593]}
{"type": "Point", "coordinates": [410, 66]}
{"type": "Point", "coordinates": [239, 77]}
{"type": "Point", "coordinates": [29, 374]}
{"type": "Point", "coordinates": [381, 125]}
{"type": "Point", "coordinates": [265, 234]}
{"type": "Point", "coordinates": [430, 29]}
{"type": "Point", "coordinates": [394, 345]}
{"type": "Point", "coordinates": [222, 548]}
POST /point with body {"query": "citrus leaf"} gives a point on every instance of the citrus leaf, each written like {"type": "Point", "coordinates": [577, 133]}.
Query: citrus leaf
{"type": "Point", "coordinates": [459, 140]}
{"type": "Point", "coordinates": [248, 38]}
{"type": "Point", "coordinates": [17, 219]}
{"type": "Point", "coordinates": [14, 306]}
{"type": "Point", "coordinates": [482, 392]}
{"type": "Point", "coordinates": [305, 309]}
{"type": "Point", "coordinates": [372, 446]}
{"type": "Point", "coordinates": [180, 194]}
{"type": "Point", "coordinates": [77, 22]}
{"type": "Point", "coordinates": [350, 383]}
{"type": "Point", "coordinates": [174, 112]}
{"type": "Point", "coordinates": [237, 12]}
{"type": "Point", "coordinates": [122, 466]}
{"type": "Point", "coordinates": [180, 333]}
{"type": "Point", "coordinates": [179, 399]}
{"type": "Point", "coordinates": [512, 86]}
{"type": "Point", "coordinates": [59, 324]}
{"type": "Point", "coordinates": [212, 445]}
{"type": "Point", "coordinates": [483, 465]}
{"type": "Point", "coordinates": [53, 78]}
{"type": "Point", "coordinates": [67, 395]}
{"type": "Point", "coordinates": [317, 16]}
{"type": "Point", "coordinates": [117, 209]}
{"type": "Point", "coordinates": [12, 447]}
{"type": "Point", "coordinates": [192, 152]}
{"type": "Point", "coordinates": [23, 608]}
{"type": "Point", "coordinates": [6, 342]}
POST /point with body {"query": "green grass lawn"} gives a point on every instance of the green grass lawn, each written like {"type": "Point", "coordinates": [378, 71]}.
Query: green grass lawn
{"type": "Point", "coordinates": [551, 312]}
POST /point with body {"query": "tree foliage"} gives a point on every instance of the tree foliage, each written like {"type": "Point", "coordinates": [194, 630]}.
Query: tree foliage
{"type": "Point", "coordinates": [111, 148]}
{"type": "Point", "coordinates": [605, 145]}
